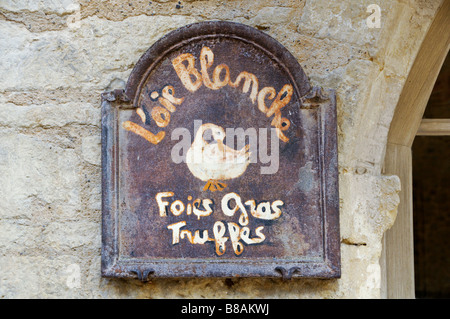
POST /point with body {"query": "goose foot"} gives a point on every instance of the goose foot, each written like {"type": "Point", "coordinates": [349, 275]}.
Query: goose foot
{"type": "Point", "coordinates": [214, 185]}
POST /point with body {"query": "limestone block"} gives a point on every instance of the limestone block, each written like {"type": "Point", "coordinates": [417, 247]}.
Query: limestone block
{"type": "Point", "coordinates": [408, 23]}
{"type": "Point", "coordinates": [33, 168]}
{"type": "Point", "coordinates": [54, 278]}
{"type": "Point", "coordinates": [361, 273]}
{"type": "Point", "coordinates": [374, 118]}
{"type": "Point", "coordinates": [352, 83]}
{"type": "Point", "coordinates": [270, 16]}
{"type": "Point", "coordinates": [15, 272]}
{"type": "Point", "coordinates": [66, 235]}
{"type": "Point", "coordinates": [368, 207]}
{"type": "Point", "coordinates": [49, 115]}
{"type": "Point", "coordinates": [91, 149]}
{"type": "Point", "coordinates": [88, 57]}
{"type": "Point", "coordinates": [18, 236]}
{"type": "Point", "coordinates": [341, 21]}
{"type": "Point", "coordinates": [48, 6]}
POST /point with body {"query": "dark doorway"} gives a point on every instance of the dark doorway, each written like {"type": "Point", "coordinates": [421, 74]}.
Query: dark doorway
{"type": "Point", "coordinates": [431, 199]}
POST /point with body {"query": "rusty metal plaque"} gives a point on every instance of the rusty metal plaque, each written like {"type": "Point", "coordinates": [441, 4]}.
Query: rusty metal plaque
{"type": "Point", "coordinates": [219, 159]}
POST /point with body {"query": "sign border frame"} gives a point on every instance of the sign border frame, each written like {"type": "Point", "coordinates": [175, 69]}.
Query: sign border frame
{"type": "Point", "coordinates": [315, 97]}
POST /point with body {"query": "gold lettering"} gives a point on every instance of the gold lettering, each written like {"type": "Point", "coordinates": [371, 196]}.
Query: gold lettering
{"type": "Point", "coordinates": [141, 114]}
{"type": "Point", "coordinates": [262, 96]}
{"type": "Point", "coordinates": [234, 231]}
{"type": "Point", "coordinates": [283, 98]}
{"type": "Point", "coordinates": [239, 234]}
{"type": "Point", "coordinates": [250, 79]}
{"type": "Point", "coordinates": [157, 113]}
{"type": "Point", "coordinates": [166, 103]}
{"type": "Point", "coordinates": [206, 61]}
{"type": "Point", "coordinates": [185, 72]}
{"type": "Point", "coordinates": [188, 234]}
{"type": "Point", "coordinates": [243, 219]}
{"type": "Point", "coordinates": [168, 93]}
{"type": "Point", "coordinates": [202, 213]}
{"type": "Point", "coordinates": [263, 210]}
{"type": "Point", "coordinates": [281, 124]}
{"type": "Point", "coordinates": [245, 235]}
{"type": "Point", "coordinates": [177, 207]}
{"type": "Point", "coordinates": [176, 231]}
{"type": "Point", "coordinates": [276, 209]}
{"type": "Point", "coordinates": [216, 76]}
{"type": "Point", "coordinates": [162, 204]}
{"type": "Point", "coordinates": [201, 240]}
{"type": "Point", "coordinates": [136, 129]}
{"type": "Point", "coordinates": [184, 65]}
{"type": "Point", "coordinates": [219, 232]}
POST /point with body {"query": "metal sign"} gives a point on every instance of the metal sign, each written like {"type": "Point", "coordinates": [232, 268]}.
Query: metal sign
{"type": "Point", "coordinates": [219, 159]}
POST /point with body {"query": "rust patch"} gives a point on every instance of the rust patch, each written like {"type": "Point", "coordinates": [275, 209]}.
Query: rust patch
{"type": "Point", "coordinates": [219, 159]}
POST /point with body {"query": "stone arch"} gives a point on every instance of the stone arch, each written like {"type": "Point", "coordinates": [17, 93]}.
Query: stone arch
{"type": "Point", "coordinates": [397, 258]}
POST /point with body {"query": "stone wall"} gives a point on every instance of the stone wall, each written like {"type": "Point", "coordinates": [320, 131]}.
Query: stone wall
{"type": "Point", "coordinates": [57, 56]}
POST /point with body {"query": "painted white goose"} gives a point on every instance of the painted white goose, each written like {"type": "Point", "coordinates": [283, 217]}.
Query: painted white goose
{"type": "Point", "coordinates": [213, 162]}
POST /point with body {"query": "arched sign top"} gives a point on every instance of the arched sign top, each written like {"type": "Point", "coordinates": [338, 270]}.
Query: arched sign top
{"type": "Point", "coordinates": [238, 35]}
